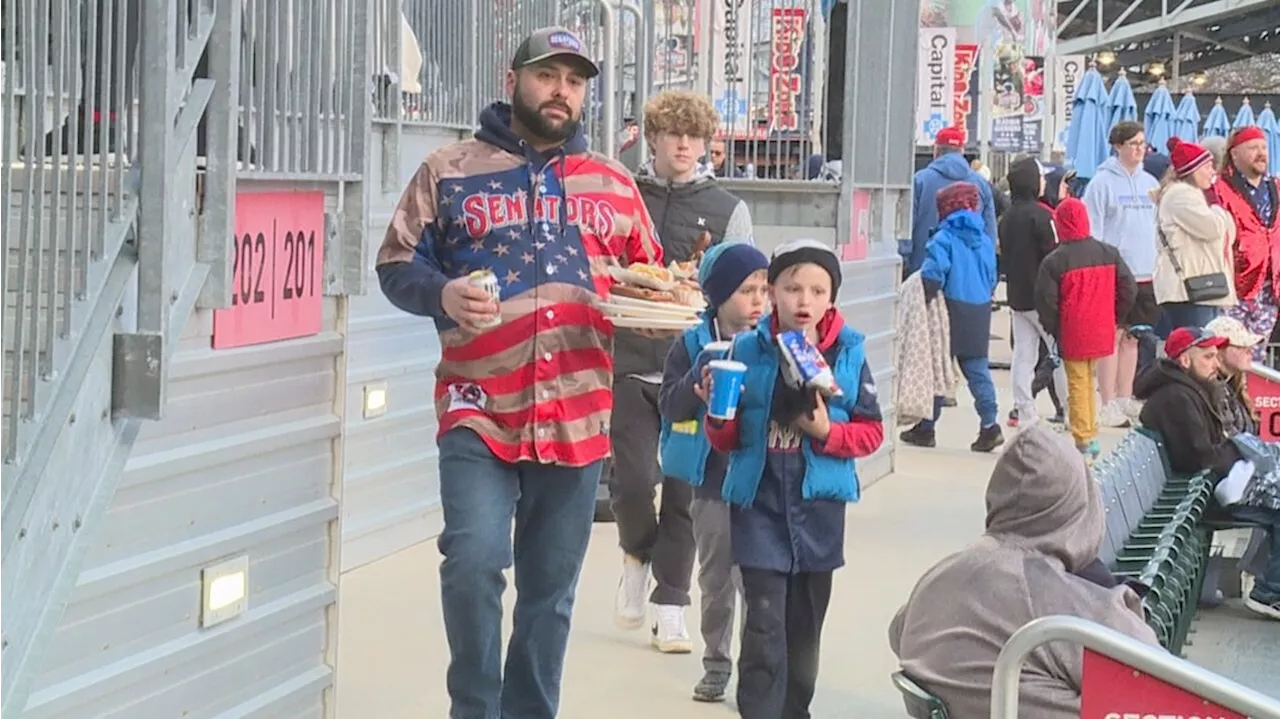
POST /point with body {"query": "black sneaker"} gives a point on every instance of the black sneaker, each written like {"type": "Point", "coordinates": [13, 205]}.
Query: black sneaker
{"type": "Point", "coordinates": [948, 401]}
{"type": "Point", "coordinates": [919, 436]}
{"type": "Point", "coordinates": [1267, 608]}
{"type": "Point", "coordinates": [988, 439]}
{"type": "Point", "coordinates": [712, 687]}
{"type": "Point", "coordinates": [1059, 418]}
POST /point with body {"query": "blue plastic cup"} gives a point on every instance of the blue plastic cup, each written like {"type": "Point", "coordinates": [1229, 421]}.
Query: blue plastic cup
{"type": "Point", "coordinates": [726, 388]}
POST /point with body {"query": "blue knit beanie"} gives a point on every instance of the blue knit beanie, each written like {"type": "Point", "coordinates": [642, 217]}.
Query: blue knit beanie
{"type": "Point", "coordinates": [726, 266]}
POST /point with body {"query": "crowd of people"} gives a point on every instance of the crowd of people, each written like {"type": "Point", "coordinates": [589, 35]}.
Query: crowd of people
{"type": "Point", "coordinates": [538, 396]}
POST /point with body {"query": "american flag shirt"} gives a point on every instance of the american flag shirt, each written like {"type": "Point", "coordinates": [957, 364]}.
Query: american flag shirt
{"type": "Point", "coordinates": [537, 387]}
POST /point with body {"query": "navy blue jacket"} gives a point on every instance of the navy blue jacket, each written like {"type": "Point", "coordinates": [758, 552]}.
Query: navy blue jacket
{"type": "Point", "coordinates": [924, 216]}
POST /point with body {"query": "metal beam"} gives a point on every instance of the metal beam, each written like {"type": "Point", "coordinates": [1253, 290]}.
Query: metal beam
{"type": "Point", "coordinates": [1162, 48]}
{"type": "Point", "coordinates": [1175, 19]}
{"type": "Point", "coordinates": [1231, 45]}
{"type": "Point", "coordinates": [1217, 58]}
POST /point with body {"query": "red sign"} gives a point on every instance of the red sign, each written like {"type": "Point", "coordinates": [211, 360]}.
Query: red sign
{"type": "Point", "coordinates": [1111, 690]}
{"type": "Point", "coordinates": [962, 101]}
{"type": "Point", "coordinates": [279, 259]}
{"type": "Point", "coordinates": [785, 82]}
{"type": "Point", "coordinates": [859, 243]}
{"type": "Point", "coordinates": [1266, 400]}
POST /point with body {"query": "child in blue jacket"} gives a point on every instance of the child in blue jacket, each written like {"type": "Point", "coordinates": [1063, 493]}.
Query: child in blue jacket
{"type": "Point", "coordinates": [790, 475]}
{"type": "Point", "coordinates": [960, 261]}
{"type": "Point", "coordinates": [735, 280]}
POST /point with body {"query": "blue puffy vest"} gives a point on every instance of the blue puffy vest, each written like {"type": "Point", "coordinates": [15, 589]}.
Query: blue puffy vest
{"type": "Point", "coordinates": [825, 477]}
{"type": "Point", "coordinates": [682, 446]}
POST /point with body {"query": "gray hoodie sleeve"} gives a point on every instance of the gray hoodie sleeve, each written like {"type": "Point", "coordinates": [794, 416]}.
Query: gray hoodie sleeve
{"type": "Point", "coordinates": [739, 228]}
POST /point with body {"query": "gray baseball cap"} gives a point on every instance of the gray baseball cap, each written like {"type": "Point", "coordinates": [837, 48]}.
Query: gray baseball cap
{"type": "Point", "coordinates": [552, 42]}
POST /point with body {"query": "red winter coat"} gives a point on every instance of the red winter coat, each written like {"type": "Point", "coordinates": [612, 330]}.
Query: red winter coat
{"type": "Point", "coordinates": [1083, 291]}
{"type": "Point", "coordinates": [1255, 243]}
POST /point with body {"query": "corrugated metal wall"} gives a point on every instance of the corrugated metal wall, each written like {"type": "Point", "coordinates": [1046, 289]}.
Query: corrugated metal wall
{"type": "Point", "coordinates": [242, 464]}
{"type": "Point", "coordinates": [390, 485]}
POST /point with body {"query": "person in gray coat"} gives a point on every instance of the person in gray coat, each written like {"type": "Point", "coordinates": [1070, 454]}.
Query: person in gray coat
{"type": "Point", "coordinates": [691, 212]}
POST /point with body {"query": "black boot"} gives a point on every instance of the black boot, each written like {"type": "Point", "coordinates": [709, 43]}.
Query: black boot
{"type": "Point", "coordinates": [988, 439]}
{"type": "Point", "coordinates": [919, 436]}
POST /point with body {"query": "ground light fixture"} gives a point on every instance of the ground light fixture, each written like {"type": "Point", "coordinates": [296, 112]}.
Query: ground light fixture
{"type": "Point", "coordinates": [375, 399]}
{"type": "Point", "coordinates": [224, 591]}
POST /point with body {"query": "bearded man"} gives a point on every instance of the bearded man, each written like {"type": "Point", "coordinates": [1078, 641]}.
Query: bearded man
{"type": "Point", "coordinates": [524, 385]}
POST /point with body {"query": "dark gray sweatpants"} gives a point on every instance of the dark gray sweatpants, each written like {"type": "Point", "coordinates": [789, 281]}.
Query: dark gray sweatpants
{"type": "Point", "coordinates": [664, 540]}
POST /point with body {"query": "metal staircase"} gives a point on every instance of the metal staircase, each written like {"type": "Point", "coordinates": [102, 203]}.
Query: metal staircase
{"type": "Point", "coordinates": [110, 232]}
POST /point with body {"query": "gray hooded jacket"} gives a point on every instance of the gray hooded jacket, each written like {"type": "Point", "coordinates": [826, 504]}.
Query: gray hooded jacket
{"type": "Point", "coordinates": [1045, 521]}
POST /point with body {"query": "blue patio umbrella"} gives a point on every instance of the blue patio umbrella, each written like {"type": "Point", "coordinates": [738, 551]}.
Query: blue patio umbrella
{"type": "Point", "coordinates": [1120, 102]}
{"type": "Point", "coordinates": [1186, 119]}
{"type": "Point", "coordinates": [1087, 133]}
{"type": "Point", "coordinates": [1158, 118]}
{"type": "Point", "coordinates": [1244, 117]}
{"type": "Point", "coordinates": [1271, 128]}
{"type": "Point", "coordinates": [1217, 124]}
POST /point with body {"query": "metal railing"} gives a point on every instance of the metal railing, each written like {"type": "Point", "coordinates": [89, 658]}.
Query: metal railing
{"type": "Point", "coordinates": [69, 183]}
{"type": "Point", "coordinates": [1141, 657]}
{"type": "Point", "coordinates": [298, 95]}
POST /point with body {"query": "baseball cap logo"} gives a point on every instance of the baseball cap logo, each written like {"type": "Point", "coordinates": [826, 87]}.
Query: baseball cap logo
{"type": "Point", "coordinates": [564, 41]}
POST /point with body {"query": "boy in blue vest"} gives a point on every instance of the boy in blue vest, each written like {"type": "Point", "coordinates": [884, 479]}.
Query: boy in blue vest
{"type": "Point", "coordinates": [734, 278]}
{"type": "Point", "coordinates": [790, 475]}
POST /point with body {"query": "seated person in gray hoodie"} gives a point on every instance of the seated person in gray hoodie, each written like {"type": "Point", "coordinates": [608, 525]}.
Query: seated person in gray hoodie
{"type": "Point", "coordinates": [1045, 523]}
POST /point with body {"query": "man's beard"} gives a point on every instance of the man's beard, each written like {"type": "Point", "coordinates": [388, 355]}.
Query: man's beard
{"type": "Point", "coordinates": [535, 122]}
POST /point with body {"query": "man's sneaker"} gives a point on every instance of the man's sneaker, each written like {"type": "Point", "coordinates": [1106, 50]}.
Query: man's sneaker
{"type": "Point", "coordinates": [1013, 418]}
{"type": "Point", "coordinates": [1059, 418]}
{"type": "Point", "coordinates": [669, 633]}
{"type": "Point", "coordinates": [1268, 609]}
{"type": "Point", "coordinates": [1112, 415]}
{"type": "Point", "coordinates": [712, 687]}
{"type": "Point", "coordinates": [948, 401]}
{"type": "Point", "coordinates": [919, 436]}
{"type": "Point", "coordinates": [633, 591]}
{"type": "Point", "coordinates": [988, 439]}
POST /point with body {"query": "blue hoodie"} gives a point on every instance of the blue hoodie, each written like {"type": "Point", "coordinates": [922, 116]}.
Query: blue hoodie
{"type": "Point", "coordinates": [961, 260]}
{"type": "Point", "coordinates": [1123, 215]}
{"type": "Point", "coordinates": [938, 174]}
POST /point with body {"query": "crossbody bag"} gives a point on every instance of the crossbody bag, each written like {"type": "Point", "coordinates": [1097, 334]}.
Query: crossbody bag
{"type": "Point", "coordinates": [1200, 288]}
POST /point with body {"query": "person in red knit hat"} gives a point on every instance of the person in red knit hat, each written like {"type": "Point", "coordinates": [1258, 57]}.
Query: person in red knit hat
{"type": "Point", "coordinates": [1252, 198]}
{"type": "Point", "coordinates": [1083, 289]}
{"type": "Point", "coordinates": [1193, 278]}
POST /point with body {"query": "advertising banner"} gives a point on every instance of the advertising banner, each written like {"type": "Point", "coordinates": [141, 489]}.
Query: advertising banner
{"type": "Point", "coordinates": [1028, 24]}
{"type": "Point", "coordinates": [786, 81]}
{"type": "Point", "coordinates": [935, 82]}
{"type": "Point", "coordinates": [1068, 71]}
{"type": "Point", "coordinates": [964, 92]}
{"type": "Point", "coordinates": [1017, 104]}
{"type": "Point", "coordinates": [730, 62]}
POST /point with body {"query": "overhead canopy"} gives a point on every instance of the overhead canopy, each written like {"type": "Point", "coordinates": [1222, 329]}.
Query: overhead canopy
{"type": "Point", "coordinates": [1211, 32]}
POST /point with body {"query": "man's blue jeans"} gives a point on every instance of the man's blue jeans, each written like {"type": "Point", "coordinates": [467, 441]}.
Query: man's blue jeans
{"type": "Point", "coordinates": [552, 508]}
{"type": "Point", "coordinates": [977, 374]}
{"type": "Point", "coordinates": [1266, 588]}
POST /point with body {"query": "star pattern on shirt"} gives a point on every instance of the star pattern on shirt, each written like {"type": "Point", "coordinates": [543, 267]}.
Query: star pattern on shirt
{"type": "Point", "coordinates": [521, 256]}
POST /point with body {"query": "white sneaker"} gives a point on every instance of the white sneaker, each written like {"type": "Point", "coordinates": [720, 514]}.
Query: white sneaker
{"type": "Point", "coordinates": [670, 636]}
{"type": "Point", "coordinates": [633, 593]}
{"type": "Point", "coordinates": [1132, 408]}
{"type": "Point", "coordinates": [1112, 415]}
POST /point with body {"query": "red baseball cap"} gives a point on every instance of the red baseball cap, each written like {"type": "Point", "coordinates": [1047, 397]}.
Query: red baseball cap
{"type": "Point", "coordinates": [1184, 338]}
{"type": "Point", "coordinates": [950, 137]}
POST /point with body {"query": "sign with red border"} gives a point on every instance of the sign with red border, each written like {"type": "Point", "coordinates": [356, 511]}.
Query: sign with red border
{"type": "Point", "coordinates": [1113, 690]}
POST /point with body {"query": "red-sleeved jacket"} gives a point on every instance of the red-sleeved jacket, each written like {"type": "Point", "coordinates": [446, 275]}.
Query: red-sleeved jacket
{"type": "Point", "coordinates": [1256, 243]}
{"type": "Point", "coordinates": [1083, 293]}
